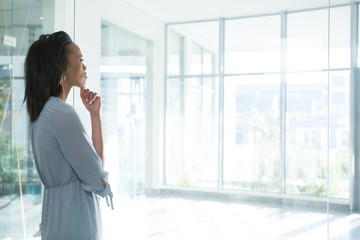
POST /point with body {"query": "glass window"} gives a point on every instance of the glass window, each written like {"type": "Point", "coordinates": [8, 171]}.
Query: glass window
{"type": "Point", "coordinates": [339, 53]}
{"type": "Point", "coordinates": [192, 107]}
{"type": "Point", "coordinates": [202, 61]}
{"type": "Point", "coordinates": [174, 58]}
{"type": "Point", "coordinates": [307, 39]}
{"type": "Point", "coordinates": [193, 48]}
{"type": "Point", "coordinates": [123, 86]}
{"type": "Point", "coordinates": [192, 132]}
{"type": "Point", "coordinates": [208, 62]}
{"type": "Point", "coordinates": [252, 45]}
{"type": "Point", "coordinates": [252, 132]}
{"type": "Point", "coordinates": [196, 60]}
{"type": "Point", "coordinates": [318, 103]}
{"type": "Point", "coordinates": [175, 170]}
{"type": "Point", "coordinates": [309, 121]}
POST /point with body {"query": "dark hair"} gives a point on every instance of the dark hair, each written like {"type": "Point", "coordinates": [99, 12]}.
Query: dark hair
{"type": "Point", "coordinates": [45, 65]}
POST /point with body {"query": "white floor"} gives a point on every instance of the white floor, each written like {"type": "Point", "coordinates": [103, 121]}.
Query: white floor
{"type": "Point", "coordinates": [187, 219]}
{"type": "Point", "coordinates": [174, 218]}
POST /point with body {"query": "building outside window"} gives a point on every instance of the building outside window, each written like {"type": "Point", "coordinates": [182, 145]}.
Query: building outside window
{"type": "Point", "coordinates": [283, 98]}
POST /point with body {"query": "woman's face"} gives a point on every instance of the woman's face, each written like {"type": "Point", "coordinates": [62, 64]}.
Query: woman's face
{"type": "Point", "coordinates": [76, 70]}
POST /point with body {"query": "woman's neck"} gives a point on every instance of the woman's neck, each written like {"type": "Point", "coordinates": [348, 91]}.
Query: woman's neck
{"type": "Point", "coordinates": [64, 93]}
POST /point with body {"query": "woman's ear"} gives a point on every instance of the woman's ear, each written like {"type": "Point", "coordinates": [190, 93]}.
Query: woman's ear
{"type": "Point", "coordinates": [62, 80]}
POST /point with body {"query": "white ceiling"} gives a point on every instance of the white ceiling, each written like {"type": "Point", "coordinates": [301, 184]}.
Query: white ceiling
{"type": "Point", "coordinates": [169, 11]}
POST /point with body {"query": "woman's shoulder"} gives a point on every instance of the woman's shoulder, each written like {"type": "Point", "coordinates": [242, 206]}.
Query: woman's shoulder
{"type": "Point", "coordinates": [55, 108]}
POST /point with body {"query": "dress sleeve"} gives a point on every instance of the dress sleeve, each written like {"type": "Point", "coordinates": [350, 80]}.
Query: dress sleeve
{"type": "Point", "coordinates": [78, 150]}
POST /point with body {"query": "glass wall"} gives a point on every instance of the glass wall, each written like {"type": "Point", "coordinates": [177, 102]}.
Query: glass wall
{"type": "Point", "coordinates": [281, 109]}
{"type": "Point", "coordinates": [192, 105]}
{"type": "Point", "coordinates": [318, 103]}
{"type": "Point", "coordinates": [285, 99]}
{"type": "Point", "coordinates": [20, 187]}
{"type": "Point", "coordinates": [252, 104]}
{"type": "Point", "coordinates": [252, 133]}
{"type": "Point", "coordinates": [124, 66]}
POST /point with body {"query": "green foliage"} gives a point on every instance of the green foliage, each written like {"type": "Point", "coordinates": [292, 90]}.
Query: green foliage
{"type": "Point", "coordinates": [307, 166]}
{"type": "Point", "coordinates": [7, 162]}
{"type": "Point", "coordinates": [4, 92]}
{"type": "Point", "coordinates": [267, 167]}
{"type": "Point", "coordinates": [316, 189]}
{"type": "Point", "coordinates": [184, 177]}
{"type": "Point", "coordinates": [311, 170]}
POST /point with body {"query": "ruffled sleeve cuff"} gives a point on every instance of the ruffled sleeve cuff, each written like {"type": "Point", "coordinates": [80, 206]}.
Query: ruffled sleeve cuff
{"type": "Point", "coordinates": [104, 192]}
{"type": "Point", "coordinates": [108, 196]}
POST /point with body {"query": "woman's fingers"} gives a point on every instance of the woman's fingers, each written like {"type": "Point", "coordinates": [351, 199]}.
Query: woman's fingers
{"type": "Point", "coordinates": [88, 95]}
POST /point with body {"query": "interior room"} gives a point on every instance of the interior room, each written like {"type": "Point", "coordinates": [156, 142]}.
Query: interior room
{"type": "Point", "coordinates": [222, 120]}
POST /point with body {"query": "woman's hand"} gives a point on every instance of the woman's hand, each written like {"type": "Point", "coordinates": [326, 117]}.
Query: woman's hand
{"type": "Point", "coordinates": [91, 100]}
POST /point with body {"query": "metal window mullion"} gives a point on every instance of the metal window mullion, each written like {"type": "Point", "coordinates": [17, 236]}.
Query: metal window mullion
{"type": "Point", "coordinates": [221, 103]}
{"type": "Point", "coordinates": [354, 198]}
{"type": "Point", "coordinates": [282, 147]}
{"type": "Point", "coordinates": [183, 68]}
{"type": "Point", "coordinates": [164, 163]}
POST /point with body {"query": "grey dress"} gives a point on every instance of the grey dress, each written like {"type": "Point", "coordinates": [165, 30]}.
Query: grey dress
{"type": "Point", "coordinates": [71, 173]}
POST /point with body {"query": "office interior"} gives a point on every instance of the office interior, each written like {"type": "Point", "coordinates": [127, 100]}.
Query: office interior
{"type": "Point", "coordinates": [222, 120]}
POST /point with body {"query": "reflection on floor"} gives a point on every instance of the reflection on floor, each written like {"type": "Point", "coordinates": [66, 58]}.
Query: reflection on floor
{"type": "Point", "coordinates": [19, 219]}
{"type": "Point", "coordinates": [194, 219]}
{"type": "Point", "coordinates": [176, 218]}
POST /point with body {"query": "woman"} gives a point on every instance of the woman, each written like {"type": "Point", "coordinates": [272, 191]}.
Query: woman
{"type": "Point", "coordinates": [69, 163]}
